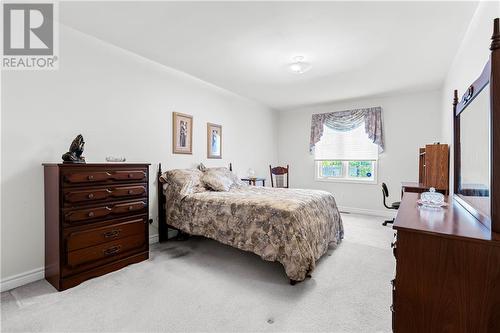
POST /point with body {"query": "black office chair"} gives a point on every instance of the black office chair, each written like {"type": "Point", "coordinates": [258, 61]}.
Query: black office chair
{"type": "Point", "coordinates": [394, 205]}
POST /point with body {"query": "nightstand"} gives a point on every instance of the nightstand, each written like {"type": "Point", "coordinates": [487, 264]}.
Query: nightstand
{"type": "Point", "coordinates": [253, 181]}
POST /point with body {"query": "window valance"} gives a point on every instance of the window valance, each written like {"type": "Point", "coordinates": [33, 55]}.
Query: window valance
{"type": "Point", "coordinates": [347, 121]}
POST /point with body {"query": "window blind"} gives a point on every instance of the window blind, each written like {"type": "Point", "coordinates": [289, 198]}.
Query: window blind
{"type": "Point", "coordinates": [345, 146]}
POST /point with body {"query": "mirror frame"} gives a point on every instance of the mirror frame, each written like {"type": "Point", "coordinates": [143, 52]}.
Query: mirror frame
{"type": "Point", "coordinates": [491, 75]}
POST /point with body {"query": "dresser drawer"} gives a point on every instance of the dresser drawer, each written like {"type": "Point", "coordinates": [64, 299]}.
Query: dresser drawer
{"type": "Point", "coordinates": [106, 250]}
{"type": "Point", "coordinates": [79, 177]}
{"type": "Point", "coordinates": [86, 238]}
{"type": "Point", "coordinates": [87, 196]}
{"type": "Point", "coordinates": [105, 211]}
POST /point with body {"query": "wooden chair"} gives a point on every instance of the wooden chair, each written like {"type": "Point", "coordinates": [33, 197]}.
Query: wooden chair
{"type": "Point", "coordinates": [278, 176]}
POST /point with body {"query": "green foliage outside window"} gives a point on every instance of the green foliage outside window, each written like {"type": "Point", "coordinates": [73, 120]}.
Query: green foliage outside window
{"type": "Point", "coordinates": [360, 169]}
{"type": "Point", "coordinates": [331, 168]}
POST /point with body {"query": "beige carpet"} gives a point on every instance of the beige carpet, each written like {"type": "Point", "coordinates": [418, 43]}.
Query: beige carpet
{"type": "Point", "coordinates": [203, 286]}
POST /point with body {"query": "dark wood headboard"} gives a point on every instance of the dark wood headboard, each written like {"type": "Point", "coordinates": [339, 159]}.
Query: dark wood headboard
{"type": "Point", "coordinates": [163, 226]}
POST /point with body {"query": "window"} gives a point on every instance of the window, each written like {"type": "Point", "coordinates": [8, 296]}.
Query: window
{"type": "Point", "coordinates": [363, 171]}
{"type": "Point", "coordinates": [346, 156]}
{"type": "Point", "coordinates": [331, 169]}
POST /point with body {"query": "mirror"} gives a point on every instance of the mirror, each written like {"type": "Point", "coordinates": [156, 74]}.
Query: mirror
{"type": "Point", "coordinates": [474, 179]}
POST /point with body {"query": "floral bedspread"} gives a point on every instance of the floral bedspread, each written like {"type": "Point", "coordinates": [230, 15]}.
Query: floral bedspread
{"type": "Point", "coordinates": [292, 226]}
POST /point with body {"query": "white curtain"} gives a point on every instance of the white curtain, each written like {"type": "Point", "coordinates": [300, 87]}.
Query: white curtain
{"type": "Point", "coordinates": [345, 145]}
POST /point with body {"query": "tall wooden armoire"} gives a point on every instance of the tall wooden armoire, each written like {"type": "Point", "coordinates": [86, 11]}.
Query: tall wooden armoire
{"type": "Point", "coordinates": [434, 166]}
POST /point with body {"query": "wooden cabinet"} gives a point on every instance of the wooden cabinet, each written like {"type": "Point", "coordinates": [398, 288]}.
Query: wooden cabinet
{"type": "Point", "coordinates": [447, 271]}
{"type": "Point", "coordinates": [96, 220]}
{"type": "Point", "coordinates": [434, 166]}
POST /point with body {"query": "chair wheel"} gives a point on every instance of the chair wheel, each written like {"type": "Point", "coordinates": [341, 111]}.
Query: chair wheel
{"type": "Point", "coordinates": [385, 223]}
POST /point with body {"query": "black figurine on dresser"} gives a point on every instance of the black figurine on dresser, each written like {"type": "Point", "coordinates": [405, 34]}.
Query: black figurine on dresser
{"type": "Point", "coordinates": [74, 155]}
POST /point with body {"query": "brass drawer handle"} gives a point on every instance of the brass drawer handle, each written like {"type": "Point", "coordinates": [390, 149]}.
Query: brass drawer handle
{"type": "Point", "coordinates": [130, 175]}
{"type": "Point", "coordinates": [90, 177]}
{"type": "Point", "coordinates": [91, 196]}
{"type": "Point", "coordinates": [131, 208]}
{"type": "Point", "coordinates": [91, 214]}
{"type": "Point", "coordinates": [112, 250]}
{"type": "Point", "coordinates": [112, 234]}
{"type": "Point", "coordinates": [130, 191]}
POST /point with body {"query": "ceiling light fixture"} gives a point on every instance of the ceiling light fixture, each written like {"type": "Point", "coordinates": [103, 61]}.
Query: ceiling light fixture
{"type": "Point", "coordinates": [299, 66]}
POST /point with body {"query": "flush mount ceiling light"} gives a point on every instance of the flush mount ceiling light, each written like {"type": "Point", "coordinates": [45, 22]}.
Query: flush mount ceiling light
{"type": "Point", "coordinates": [299, 66]}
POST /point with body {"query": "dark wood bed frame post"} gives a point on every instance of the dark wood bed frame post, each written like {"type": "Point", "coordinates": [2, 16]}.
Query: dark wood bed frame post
{"type": "Point", "coordinates": [162, 216]}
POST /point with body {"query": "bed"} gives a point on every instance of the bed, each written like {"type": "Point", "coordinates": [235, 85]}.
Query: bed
{"type": "Point", "coordinates": [292, 226]}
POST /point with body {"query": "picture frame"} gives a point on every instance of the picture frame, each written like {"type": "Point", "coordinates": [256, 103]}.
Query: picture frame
{"type": "Point", "coordinates": [182, 133]}
{"type": "Point", "coordinates": [214, 141]}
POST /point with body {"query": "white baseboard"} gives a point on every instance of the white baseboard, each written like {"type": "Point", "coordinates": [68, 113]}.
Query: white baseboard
{"type": "Point", "coordinates": [18, 280]}
{"type": "Point", "coordinates": [383, 213]}
{"type": "Point", "coordinates": [21, 279]}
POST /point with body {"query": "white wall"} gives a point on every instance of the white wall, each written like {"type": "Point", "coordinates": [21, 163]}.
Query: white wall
{"type": "Point", "coordinates": [468, 64]}
{"type": "Point", "coordinates": [122, 104]}
{"type": "Point", "coordinates": [410, 121]}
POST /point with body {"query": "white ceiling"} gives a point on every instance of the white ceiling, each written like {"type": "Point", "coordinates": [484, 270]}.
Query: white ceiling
{"type": "Point", "coordinates": [357, 49]}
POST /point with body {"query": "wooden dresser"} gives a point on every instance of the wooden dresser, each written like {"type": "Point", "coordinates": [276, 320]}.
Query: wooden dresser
{"type": "Point", "coordinates": [447, 271]}
{"type": "Point", "coordinates": [96, 220]}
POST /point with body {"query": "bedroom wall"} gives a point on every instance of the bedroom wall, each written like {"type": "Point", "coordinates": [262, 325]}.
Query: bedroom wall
{"type": "Point", "coordinates": [122, 104]}
{"type": "Point", "coordinates": [468, 63]}
{"type": "Point", "coordinates": [410, 121]}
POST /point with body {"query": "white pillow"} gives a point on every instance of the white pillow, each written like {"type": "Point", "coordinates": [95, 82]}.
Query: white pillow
{"type": "Point", "coordinates": [217, 180]}
{"type": "Point", "coordinates": [185, 181]}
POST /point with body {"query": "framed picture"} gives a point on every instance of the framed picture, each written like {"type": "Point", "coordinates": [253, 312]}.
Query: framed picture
{"type": "Point", "coordinates": [214, 141]}
{"type": "Point", "coordinates": [182, 140]}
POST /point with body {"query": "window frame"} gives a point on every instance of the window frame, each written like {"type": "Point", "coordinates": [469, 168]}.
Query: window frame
{"type": "Point", "coordinates": [345, 173]}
